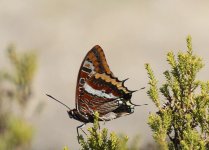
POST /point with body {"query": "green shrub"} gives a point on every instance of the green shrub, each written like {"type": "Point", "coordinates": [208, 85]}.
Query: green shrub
{"type": "Point", "coordinates": [182, 119]}
{"type": "Point", "coordinates": [15, 92]}
{"type": "Point", "coordinates": [101, 140]}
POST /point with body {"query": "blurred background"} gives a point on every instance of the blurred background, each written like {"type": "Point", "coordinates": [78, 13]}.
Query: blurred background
{"type": "Point", "coordinates": [50, 39]}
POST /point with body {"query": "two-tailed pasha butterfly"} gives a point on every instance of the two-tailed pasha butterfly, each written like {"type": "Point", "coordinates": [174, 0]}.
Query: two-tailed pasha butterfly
{"type": "Point", "coordinates": [99, 90]}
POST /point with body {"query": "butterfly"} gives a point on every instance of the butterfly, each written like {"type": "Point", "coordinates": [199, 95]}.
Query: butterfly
{"type": "Point", "coordinates": [98, 89]}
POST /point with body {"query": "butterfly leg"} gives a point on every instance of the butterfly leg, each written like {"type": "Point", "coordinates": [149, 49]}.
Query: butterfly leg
{"type": "Point", "coordinates": [80, 127]}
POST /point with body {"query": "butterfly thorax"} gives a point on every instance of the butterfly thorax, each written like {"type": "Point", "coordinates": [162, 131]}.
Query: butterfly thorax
{"type": "Point", "coordinates": [75, 114]}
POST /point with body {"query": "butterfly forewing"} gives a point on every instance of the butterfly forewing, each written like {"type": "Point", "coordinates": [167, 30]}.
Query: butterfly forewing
{"type": "Point", "coordinates": [97, 88]}
{"type": "Point", "coordinates": [93, 62]}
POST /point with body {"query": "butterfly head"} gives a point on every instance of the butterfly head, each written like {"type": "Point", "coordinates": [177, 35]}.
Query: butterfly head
{"type": "Point", "coordinates": [73, 114]}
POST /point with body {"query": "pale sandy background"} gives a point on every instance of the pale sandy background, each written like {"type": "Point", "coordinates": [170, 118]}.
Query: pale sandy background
{"type": "Point", "coordinates": [130, 32]}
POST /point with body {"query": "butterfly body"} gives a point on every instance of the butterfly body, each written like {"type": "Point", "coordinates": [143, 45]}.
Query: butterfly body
{"type": "Point", "coordinates": [99, 90]}
{"type": "Point", "coordinates": [77, 116]}
{"type": "Point", "coordinates": [89, 118]}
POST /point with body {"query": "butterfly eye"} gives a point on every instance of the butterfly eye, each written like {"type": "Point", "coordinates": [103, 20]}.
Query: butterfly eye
{"type": "Point", "coordinates": [70, 113]}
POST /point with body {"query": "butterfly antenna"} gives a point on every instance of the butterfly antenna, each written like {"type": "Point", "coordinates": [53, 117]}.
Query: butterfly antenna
{"type": "Point", "coordinates": [142, 88]}
{"type": "Point", "coordinates": [138, 90]}
{"type": "Point", "coordinates": [137, 105]}
{"type": "Point", "coordinates": [58, 101]}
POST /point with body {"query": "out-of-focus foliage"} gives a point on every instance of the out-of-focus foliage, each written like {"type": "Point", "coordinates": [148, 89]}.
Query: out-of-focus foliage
{"type": "Point", "coordinates": [150, 146]}
{"type": "Point", "coordinates": [17, 135]}
{"type": "Point", "coordinates": [134, 143]}
{"type": "Point", "coordinates": [24, 68]}
{"type": "Point", "coordinates": [66, 148]}
{"type": "Point", "coordinates": [15, 92]}
{"type": "Point", "coordinates": [182, 119]}
{"type": "Point", "coordinates": [100, 139]}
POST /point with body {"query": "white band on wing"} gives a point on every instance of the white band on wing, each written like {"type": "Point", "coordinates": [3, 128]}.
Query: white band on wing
{"type": "Point", "coordinates": [98, 93]}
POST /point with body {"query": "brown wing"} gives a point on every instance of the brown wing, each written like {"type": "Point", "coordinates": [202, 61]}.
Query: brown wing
{"type": "Point", "coordinates": [97, 88]}
{"type": "Point", "coordinates": [97, 57]}
{"type": "Point", "coordinates": [104, 93]}
{"type": "Point", "coordinates": [93, 62]}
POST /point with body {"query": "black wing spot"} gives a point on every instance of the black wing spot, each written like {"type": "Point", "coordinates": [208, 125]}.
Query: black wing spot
{"type": "Point", "coordinates": [86, 69]}
{"type": "Point", "coordinates": [82, 81]}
